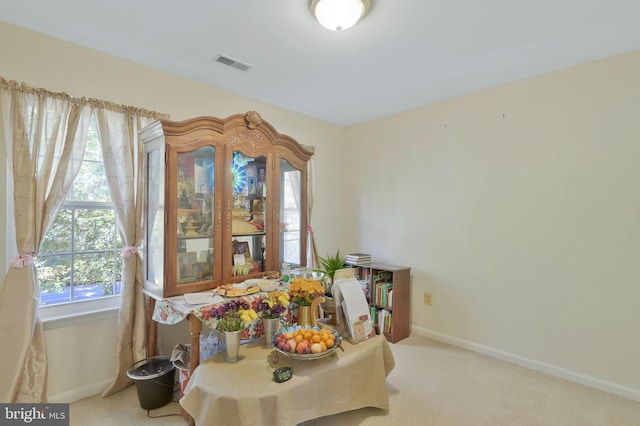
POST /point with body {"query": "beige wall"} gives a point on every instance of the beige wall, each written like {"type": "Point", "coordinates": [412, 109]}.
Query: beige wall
{"type": "Point", "coordinates": [518, 208]}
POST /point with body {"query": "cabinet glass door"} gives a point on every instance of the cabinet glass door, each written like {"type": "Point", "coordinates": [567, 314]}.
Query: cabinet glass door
{"type": "Point", "coordinates": [154, 241]}
{"type": "Point", "coordinates": [248, 213]}
{"type": "Point", "coordinates": [195, 216]}
{"type": "Point", "coordinates": [291, 233]}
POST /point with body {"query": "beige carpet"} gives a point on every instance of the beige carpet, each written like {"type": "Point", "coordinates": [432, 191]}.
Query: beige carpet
{"type": "Point", "coordinates": [432, 384]}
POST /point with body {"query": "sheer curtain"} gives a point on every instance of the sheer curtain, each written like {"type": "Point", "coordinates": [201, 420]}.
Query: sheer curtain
{"type": "Point", "coordinates": [123, 158]}
{"type": "Point", "coordinates": [312, 251]}
{"type": "Point", "coordinates": [45, 136]}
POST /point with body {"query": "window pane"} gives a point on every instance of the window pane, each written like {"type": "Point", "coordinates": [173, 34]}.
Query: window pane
{"type": "Point", "coordinates": [58, 237]}
{"type": "Point", "coordinates": [94, 275]}
{"type": "Point", "coordinates": [94, 229]}
{"type": "Point", "coordinates": [80, 258]}
{"type": "Point", "coordinates": [93, 151]}
{"type": "Point", "coordinates": [54, 275]}
{"type": "Point", "coordinates": [91, 183]}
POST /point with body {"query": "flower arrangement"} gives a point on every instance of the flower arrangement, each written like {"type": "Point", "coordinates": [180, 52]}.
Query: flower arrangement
{"type": "Point", "coordinates": [274, 304]}
{"type": "Point", "coordinates": [304, 290]}
{"type": "Point", "coordinates": [233, 315]}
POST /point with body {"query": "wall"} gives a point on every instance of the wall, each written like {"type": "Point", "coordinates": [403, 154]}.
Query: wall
{"type": "Point", "coordinates": [59, 66]}
{"type": "Point", "coordinates": [518, 208]}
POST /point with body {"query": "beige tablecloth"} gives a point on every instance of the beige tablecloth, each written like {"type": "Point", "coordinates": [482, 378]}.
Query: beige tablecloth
{"type": "Point", "coordinates": [245, 393]}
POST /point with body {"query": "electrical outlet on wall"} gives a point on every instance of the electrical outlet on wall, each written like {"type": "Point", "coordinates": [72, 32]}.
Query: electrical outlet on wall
{"type": "Point", "coordinates": [427, 298]}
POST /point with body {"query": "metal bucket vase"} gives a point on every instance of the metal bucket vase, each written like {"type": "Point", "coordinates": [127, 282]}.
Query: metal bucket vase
{"type": "Point", "coordinates": [304, 316]}
{"type": "Point", "coordinates": [232, 346]}
{"type": "Point", "coordinates": [308, 315]}
{"type": "Point", "coordinates": [271, 326]}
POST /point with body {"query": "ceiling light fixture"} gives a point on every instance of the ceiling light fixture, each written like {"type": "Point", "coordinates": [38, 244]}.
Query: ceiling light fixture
{"type": "Point", "coordinates": [338, 15]}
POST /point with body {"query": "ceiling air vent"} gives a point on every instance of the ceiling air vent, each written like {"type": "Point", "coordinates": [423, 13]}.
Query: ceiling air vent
{"type": "Point", "coordinates": [233, 63]}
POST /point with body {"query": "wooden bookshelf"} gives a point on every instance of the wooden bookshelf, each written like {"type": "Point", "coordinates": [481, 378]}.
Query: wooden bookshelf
{"type": "Point", "coordinates": [389, 295]}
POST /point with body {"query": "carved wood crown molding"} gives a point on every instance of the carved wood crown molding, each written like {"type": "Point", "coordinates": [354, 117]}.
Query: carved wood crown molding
{"type": "Point", "coordinates": [246, 136]}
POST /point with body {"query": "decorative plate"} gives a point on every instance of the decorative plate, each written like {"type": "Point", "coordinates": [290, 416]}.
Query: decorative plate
{"type": "Point", "coordinates": [265, 284]}
{"type": "Point", "coordinates": [223, 292]}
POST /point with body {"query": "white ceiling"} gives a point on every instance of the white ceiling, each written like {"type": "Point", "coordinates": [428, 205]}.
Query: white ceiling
{"type": "Point", "coordinates": [403, 54]}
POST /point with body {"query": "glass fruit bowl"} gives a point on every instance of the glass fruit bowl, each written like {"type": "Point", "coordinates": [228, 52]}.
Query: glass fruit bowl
{"type": "Point", "coordinates": [288, 334]}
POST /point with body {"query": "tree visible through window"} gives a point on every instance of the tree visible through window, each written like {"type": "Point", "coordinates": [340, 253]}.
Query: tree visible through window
{"type": "Point", "coordinates": [80, 256]}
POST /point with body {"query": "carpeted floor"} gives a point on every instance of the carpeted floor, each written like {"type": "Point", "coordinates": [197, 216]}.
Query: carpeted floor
{"type": "Point", "coordinates": [432, 384]}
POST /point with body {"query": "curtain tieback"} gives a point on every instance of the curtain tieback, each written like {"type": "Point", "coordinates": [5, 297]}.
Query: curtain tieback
{"type": "Point", "coordinates": [309, 229]}
{"type": "Point", "coordinates": [129, 250]}
{"type": "Point", "coordinates": [22, 261]}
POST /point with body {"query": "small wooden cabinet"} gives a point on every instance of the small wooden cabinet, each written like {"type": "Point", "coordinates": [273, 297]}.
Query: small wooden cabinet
{"type": "Point", "coordinates": [225, 200]}
{"type": "Point", "coordinates": [388, 292]}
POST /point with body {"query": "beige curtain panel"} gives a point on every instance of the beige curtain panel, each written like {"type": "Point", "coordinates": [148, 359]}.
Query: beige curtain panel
{"type": "Point", "coordinates": [45, 137]}
{"type": "Point", "coordinates": [123, 158]}
{"type": "Point", "coordinates": [312, 251]}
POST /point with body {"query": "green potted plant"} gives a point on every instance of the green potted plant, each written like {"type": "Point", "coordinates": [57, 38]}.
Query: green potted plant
{"type": "Point", "coordinates": [330, 264]}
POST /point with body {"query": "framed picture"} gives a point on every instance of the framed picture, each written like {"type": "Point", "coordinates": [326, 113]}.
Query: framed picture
{"type": "Point", "coordinates": [186, 267]}
{"type": "Point", "coordinates": [251, 184]}
{"type": "Point", "coordinates": [242, 247]}
{"type": "Point", "coordinates": [261, 174]}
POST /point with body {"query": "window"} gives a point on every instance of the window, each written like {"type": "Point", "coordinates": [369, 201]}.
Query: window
{"type": "Point", "coordinates": [80, 256]}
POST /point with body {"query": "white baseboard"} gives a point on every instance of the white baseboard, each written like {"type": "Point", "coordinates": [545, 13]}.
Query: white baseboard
{"type": "Point", "coordinates": [552, 370]}
{"type": "Point", "coordinates": [80, 393]}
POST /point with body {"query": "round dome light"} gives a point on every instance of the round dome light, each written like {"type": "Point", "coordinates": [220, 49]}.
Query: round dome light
{"type": "Point", "coordinates": [338, 15]}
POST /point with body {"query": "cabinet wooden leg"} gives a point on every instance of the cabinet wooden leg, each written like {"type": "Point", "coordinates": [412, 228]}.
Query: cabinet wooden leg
{"type": "Point", "coordinates": [195, 327]}
{"type": "Point", "coordinates": [152, 333]}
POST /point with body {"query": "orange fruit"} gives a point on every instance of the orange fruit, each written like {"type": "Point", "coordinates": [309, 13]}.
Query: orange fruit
{"type": "Point", "coordinates": [329, 342]}
{"type": "Point", "coordinates": [324, 346]}
{"type": "Point", "coordinates": [316, 338]}
{"type": "Point", "coordinates": [297, 338]}
{"type": "Point", "coordinates": [307, 336]}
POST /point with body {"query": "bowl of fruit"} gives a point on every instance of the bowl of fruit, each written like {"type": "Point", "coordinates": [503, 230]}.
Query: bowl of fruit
{"type": "Point", "coordinates": [306, 343]}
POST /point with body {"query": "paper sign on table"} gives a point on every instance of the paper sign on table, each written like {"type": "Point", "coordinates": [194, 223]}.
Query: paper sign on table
{"type": "Point", "coordinates": [355, 310]}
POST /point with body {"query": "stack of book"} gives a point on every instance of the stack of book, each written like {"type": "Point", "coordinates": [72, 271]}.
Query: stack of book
{"type": "Point", "coordinates": [358, 259]}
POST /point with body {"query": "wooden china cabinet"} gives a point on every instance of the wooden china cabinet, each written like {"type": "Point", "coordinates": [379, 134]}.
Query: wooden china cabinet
{"type": "Point", "coordinates": [225, 200]}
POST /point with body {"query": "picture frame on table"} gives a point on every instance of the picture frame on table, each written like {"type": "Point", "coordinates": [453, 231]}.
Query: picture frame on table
{"type": "Point", "coordinates": [186, 267]}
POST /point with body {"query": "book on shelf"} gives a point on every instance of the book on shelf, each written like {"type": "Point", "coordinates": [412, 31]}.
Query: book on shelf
{"type": "Point", "coordinates": [358, 259]}
{"type": "Point", "coordinates": [384, 320]}
{"type": "Point", "coordinates": [343, 274]}
{"type": "Point", "coordinates": [382, 291]}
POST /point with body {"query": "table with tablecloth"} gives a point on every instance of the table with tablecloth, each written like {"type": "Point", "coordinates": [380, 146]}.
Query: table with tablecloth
{"type": "Point", "coordinates": [245, 393]}
{"type": "Point", "coordinates": [175, 309]}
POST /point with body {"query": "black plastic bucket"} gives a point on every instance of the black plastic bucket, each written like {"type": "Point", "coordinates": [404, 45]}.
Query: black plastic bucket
{"type": "Point", "coordinates": [154, 377]}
